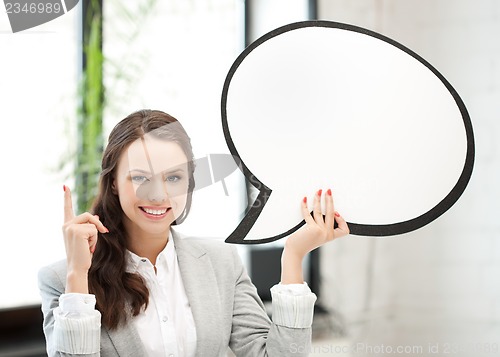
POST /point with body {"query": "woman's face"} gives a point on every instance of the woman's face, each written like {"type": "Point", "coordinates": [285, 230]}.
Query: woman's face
{"type": "Point", "coordinates": [152, 182]}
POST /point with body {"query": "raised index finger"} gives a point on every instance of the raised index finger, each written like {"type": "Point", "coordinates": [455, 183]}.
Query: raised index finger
{"type": "Point", "coordinates": [68, 205]}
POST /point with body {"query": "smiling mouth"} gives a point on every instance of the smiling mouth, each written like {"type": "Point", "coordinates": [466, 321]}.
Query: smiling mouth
{"type": "Point", "coordinates": [155, 212]}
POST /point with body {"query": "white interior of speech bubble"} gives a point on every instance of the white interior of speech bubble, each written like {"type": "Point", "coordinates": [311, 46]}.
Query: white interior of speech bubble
{"type": "Point", "coordinates": [326, 108]}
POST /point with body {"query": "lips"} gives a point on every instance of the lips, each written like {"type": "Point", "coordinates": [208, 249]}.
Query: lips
{"type": "Point", "coordinates": [155, 212]}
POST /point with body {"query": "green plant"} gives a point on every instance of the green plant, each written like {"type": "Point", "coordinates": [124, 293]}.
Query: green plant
{"type": "Point", "coordinates": [90, 111]}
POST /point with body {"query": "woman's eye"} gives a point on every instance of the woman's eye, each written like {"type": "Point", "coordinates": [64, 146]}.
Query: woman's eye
{"type": "Point", "coordinates": [173, 178]}
{"type": "Point", "coordinates": [139, 179]}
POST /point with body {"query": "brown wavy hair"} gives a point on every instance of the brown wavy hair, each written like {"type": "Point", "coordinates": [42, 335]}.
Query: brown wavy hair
{"type": "Point", "coordinates": [119, 293]}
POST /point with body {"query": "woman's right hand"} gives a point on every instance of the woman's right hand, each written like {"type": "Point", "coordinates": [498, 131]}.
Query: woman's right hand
{"type": "Point", "coordinates": [80, 238]}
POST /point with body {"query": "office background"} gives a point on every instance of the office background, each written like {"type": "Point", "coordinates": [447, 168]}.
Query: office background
{"type": "Point", "coordinates": [437, 286]}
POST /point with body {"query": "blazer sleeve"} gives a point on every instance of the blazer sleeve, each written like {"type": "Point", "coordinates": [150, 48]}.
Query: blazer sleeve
{"type": "Point", "coordinates": [66, 334]}
{"type": "Point", "coordinates": [254, 334]}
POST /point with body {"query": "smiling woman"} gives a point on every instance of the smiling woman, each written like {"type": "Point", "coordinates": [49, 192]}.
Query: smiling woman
{"type": "Point", "coordinates": [153, 143]}
{"type": "Point", "coordinates": [154, 178]}
{"type": "Point", "coordinates": [156, 293]}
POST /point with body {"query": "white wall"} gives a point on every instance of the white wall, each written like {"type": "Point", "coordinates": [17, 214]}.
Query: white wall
{"type": "Point", "coordinates": [440, 284]}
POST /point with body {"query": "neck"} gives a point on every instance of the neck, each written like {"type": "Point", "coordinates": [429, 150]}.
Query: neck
{"type": "Point", "coordinates": [150, 250]}
{"type": "Point", "coordinates": [146, 244]}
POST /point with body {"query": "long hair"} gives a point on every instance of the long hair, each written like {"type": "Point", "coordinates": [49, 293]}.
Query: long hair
{"type": "Point", "coordinates": [119, 293]}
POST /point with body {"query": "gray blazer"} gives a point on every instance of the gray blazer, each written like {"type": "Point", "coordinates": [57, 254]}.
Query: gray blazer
{"type": "Point", "coordinates": [226, 308]}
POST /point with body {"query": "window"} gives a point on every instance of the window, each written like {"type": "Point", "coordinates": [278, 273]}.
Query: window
{"type": "Point", "coordinates": [38, 76]}
{"type": "Point", "coordinates": [171, 56]}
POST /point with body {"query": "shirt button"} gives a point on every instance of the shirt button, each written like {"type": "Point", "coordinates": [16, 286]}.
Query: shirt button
{"type": "Point", "coordinates": [165, 319]}
{"type": "Point", "coordinates": [171, 355]}
{"type": "Point", "coordinates": [143, 260]}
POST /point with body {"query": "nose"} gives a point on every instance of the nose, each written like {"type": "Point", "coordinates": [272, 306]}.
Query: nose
{"type": "Point", "coordinates": [158, 191]}
{"type": "Point", "coordinates": [154, 190]}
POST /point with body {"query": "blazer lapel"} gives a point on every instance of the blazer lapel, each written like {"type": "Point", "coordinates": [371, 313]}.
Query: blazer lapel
{"type": "Point", "coordinates": [202, 291]}
{"type": "Point", "coordinates": [126, 341]}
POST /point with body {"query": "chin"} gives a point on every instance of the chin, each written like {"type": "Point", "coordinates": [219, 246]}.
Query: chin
{"type": "Point", "coordinates": [157, 229]}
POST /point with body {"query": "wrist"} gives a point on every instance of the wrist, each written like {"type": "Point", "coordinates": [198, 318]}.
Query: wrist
{"type": "Point", "coordinates": [77, 282]}
{"type": "Point", "coordinates": [292, 250]}
{"type": "Point", "coordinates": [291, 267]}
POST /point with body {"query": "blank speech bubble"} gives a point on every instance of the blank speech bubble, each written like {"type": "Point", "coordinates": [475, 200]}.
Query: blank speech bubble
{"type": "Point", "coordinates": [320, 104]}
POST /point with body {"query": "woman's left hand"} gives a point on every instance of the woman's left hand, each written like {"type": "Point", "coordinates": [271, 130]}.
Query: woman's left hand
{"type": "Point", "coordinates": [318, 230]}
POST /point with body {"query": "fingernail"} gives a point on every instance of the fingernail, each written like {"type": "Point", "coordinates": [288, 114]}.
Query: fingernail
{"type": "Point", "coordinates": [329, 192]}
{"type": "Point", "coordinates": [305, 199]}
{"type": "Point", "coordinates": [319, 192]}
{"type": "Point", "coordinates": [337, 214]}
{"type": "Point", "coordinates": [92, 250]}
{"type": "Point", "coordinates": [64, 188]}
{"type": "Point", "coordinates": [107, 230]}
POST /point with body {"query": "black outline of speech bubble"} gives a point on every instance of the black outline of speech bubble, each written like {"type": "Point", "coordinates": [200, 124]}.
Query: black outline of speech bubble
{"type": "Point", "coordinates": [238, 235]}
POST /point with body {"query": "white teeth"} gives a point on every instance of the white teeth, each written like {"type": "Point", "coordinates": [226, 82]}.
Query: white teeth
{"type": "Point", "coordinates": [154, 211]}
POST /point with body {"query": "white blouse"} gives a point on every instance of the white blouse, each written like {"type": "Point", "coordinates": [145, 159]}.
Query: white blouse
{"type": "Point", "coordinates": [167, 326]}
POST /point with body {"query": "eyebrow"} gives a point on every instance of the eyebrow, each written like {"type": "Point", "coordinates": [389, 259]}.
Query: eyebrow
{"type": "Point", "coordinates": [166, 171]}
{"type": "Point", "coordinates": [139, 170]}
